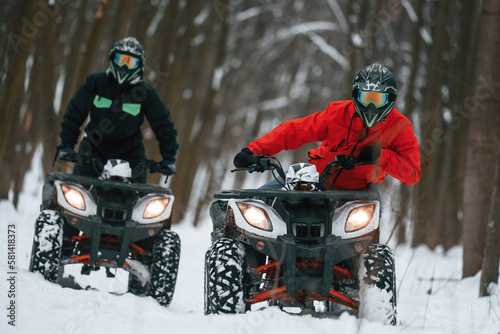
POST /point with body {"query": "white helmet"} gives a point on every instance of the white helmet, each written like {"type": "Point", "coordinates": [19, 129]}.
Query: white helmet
{"type": "Point", "coordinates": [302, 173]}
{"type": "Point", "coordinates": [116, 168]}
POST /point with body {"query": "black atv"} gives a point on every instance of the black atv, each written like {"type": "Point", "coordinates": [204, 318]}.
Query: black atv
{"type": "Point", "coordinates": [108, 222]}
{"type": "Point", "coordinates": [300, 248]}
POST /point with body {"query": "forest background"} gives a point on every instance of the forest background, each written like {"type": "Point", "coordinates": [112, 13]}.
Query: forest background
{"type": "Point", "coordinates": [231, 70]}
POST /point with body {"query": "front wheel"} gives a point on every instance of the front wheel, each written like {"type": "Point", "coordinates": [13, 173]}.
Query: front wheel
{"type": "Point", "coordinates": [47, 245]}
{"type": "Point", "coordinates": [164, 267]}
{"type": "Point", "coordinates": [225, 264]}
{"type": "Point", "coordinates": [377, 285]}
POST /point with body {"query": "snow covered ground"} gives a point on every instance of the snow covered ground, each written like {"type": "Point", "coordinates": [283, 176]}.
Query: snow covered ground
{"type": "Point", "coordinates": [432, 298]}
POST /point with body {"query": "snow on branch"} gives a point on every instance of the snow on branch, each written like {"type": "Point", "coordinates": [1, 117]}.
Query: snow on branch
{"type": "Point", "coordinates": [299, 29]}
{"type": "Point", "coordinates": [337, 11]}
{"type": "Point", "coordinates": [329, 50]}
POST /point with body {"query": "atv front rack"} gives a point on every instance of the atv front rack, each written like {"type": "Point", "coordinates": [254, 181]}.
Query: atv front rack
{"type": "Point", "coordinates": [347, 195]}
{"type": "Point", "coordinates": [106, 184]}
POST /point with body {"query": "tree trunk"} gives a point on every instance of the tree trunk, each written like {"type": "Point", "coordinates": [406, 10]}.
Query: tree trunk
{"type": "Point", "coordinates": [93, 42]}
{"type": "Point", "coordinates": [21, 37]}
{"type": "Point", "coordinates": [402, 214]}
{"type": "Point", "coordinates": [484, 140]}
{"type": "Point", "coordinates": [491, 255]}
{"type": "Point", "coordinates": [425, 196]}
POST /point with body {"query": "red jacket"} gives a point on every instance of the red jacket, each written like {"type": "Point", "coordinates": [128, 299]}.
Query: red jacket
{"type": "Point", "coordinates": [400, 154]}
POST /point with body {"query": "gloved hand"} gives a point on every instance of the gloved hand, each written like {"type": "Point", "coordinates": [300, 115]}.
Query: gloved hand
{"type": "Point", "coordinates": [243, 159]}
{"type": "Point", "coordinates": [167, 168]}
{"type": "Point", "coordinates": [167, 165]}
{"type": "Point", "coordinates": [369, 154]}
{"type": "Point", "coordinates": [67, 153]}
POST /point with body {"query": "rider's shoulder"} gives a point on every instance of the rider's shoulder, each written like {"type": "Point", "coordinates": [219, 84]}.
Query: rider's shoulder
{"type": "Point", "coordinates": [397, 117]}
{"type": "Point", "coordinates": [339, 105]}
{"type": "Point", "coordinates": [97, 76]}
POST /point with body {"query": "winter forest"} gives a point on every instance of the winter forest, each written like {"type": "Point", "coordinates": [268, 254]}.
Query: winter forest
{"type": "Point", "coordinates": [229, 71]}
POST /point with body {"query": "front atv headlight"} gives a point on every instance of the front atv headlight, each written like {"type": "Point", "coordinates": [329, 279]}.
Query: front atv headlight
{"type": "Point", "coordinates": [155, 208]}
{"type": "Point", "coordinates": [359, 217]}
{"type": "Point", "coordinates": [74, 197]}
{"type": "Point", "coordinates": [255, 216]}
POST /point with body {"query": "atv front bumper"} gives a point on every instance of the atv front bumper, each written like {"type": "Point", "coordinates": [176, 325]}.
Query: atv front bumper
{"type": "Point", "coordinates": [111, 241]}
{"type": "Point", "coordinates": [330, 251]}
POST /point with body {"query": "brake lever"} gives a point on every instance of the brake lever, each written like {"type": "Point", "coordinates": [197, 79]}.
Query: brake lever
{"type": "Point", "coordinates": [241, 170]}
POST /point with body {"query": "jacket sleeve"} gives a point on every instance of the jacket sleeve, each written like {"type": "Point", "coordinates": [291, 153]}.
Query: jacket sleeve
{"type": "Point", "coordinates": [292, 134]}
{"type": "Point", "coordinates": [161, 123]}
{"type": "Point", "coordinates": [76, 113]}
{"type": "Point", "coordinates": [401, 159]}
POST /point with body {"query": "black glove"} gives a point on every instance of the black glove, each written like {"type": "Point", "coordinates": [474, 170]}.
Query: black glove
{"type": "Point", "coordinates": [167, 169]}
{"type": "Point", "coordinates": [167, 165]}
{"type": "Point", "coordinates": [244, 158]}
{"type": "Point", "coordinates": [67, 153]}
{"type": "Point", "coordinates": [369, 154]}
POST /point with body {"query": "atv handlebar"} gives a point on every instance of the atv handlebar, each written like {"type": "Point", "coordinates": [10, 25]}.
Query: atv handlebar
{"type": "Point", "coordinates": [152, 165]}
{"type": "Point", "coordinates": [347, 162]}
{"type": "Point", "coordinates": [156, 167]}
{"type": "Point", "coordinates": [341, 162]}
{"type": "Point", "coordinates": [261, 163]}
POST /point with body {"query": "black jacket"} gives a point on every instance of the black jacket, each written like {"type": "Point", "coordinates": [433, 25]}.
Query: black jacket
{"type": "Point", "coordinates": [116, 115]}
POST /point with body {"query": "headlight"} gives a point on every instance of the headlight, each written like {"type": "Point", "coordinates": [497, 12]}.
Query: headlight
{"type": "Point", "coordinates": [155, 208]}
{"type": "Point", "coordinates": [73, 197]}
{"type": "Point", "coordinates": [255, 216]}
{"type": "Point", "coordinates": [359, 218]}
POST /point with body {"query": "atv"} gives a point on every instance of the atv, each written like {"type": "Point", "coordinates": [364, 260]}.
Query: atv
{"type": "Point", "coordinates": [302, 248]}
{"type": "Point", "coordinates": [108, 222]}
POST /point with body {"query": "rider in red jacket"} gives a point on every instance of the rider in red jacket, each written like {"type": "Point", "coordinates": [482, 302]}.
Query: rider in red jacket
{"type": "Point", "coordinates": [367, 127]}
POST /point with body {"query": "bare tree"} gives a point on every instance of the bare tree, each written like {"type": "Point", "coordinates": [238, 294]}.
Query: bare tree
{"type": "Point", "coordinates": [491, 257]}
{"type": "Point", "coordinates": [21, 34]}
{"type": "Point", "coordinates": [483, 149]}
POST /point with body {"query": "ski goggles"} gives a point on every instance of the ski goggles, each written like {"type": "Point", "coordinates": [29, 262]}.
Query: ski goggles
{"type": "Point", "coordinates": [377, 98]}
{"type": "Point", "coordinates": [122, 60]}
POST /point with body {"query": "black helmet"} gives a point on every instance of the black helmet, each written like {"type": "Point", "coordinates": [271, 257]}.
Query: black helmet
{"type": "Point", "coordinates": [126, 61]}
{"type": "Point", "coordinates": [374, 93]}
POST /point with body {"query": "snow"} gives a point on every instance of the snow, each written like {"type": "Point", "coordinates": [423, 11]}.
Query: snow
{"type": "Point", "coordinates": [157, 18]}
{"type": "Point", "coordinates": [248, 14]}
{"type": "Point", "coordinates": [337, 11]}
{"type": "Point", "coordinates": [432, 297]}
{"type": "Point", "coordinates": [329, 50]}
{"type": "Point", "coordinates": [426, 36]}
{"type": "Point", "coordinates": [409, 9]}
{"type": "Point", "coordinates": [298, 29]}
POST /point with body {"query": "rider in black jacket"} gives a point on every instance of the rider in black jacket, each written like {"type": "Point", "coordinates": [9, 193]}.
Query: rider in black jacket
{"type": "Point", "coordinates": [117, 101]}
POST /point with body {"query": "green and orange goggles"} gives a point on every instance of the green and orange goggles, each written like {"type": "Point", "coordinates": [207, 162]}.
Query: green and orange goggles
{"type": "Point", "coordinates": [377, 98]}
{"type": "Point", "coordinates": [122, 60]}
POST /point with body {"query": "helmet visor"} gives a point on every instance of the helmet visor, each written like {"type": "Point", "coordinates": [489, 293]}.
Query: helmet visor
{"type": "Point", "coordinates": [378, 99]}
{"type": "Point", "coordinates": [131, 62]}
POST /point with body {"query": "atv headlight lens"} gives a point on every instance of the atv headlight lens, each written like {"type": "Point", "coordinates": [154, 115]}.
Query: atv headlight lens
{"type": "Point", "coordinates": [359, 218]}
{"type": "Point", "coordinates": [255, 216]}
{"type": "Point", "coordinates": [73, 197]}
{"type": "Point", "coordinates": [155, 208]}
